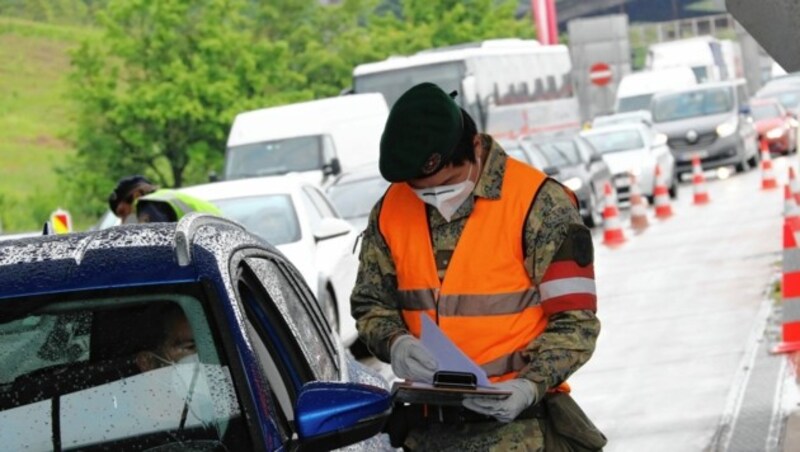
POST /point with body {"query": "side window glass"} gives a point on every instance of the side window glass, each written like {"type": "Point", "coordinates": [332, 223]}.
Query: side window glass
{"type": "Point", "coordinates": [263, 329]}
{"type": "Point", "coordinates": [302, 314]}
{"type": "Point", "coordinates": [322, 204]}
{"type": "Point", "coordinates": [314, 215]}
{"type": "Point", "coordinates": [328, 148]}
{"type": "Point", "coordinates": [117, 374]}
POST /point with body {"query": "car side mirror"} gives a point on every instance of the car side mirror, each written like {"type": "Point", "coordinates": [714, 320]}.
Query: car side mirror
{"type": "Point", "coordinates": [333, 168]}
{"type": "Point", "coordinates": [330, 415]}
{"type": "Point", "coordinates": [330, 228]}
{"type": "Point", "coordinates": [595, 158]}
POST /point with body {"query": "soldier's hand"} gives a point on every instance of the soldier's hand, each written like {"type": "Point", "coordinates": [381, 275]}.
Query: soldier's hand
{"type": "Point", "coordinates": [523, 395]}
{"type": "Point", "coordinates": [410, 359]}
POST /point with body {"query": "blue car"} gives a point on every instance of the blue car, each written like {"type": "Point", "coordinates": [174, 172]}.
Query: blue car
{"type": "Point", "coordinates": [187, 336]}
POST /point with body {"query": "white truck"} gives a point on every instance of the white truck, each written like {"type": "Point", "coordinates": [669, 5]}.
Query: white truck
{"type": "Point", "coordinates": [637, 89]}
{"type": "Point", "coordinates": [704, 55]}
{"type": "Point", "coordinates": [317, 139]}
{"type": "Point", "coordinates": [511, 87]}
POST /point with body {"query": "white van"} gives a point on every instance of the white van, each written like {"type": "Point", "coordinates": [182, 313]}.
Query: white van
{"type": "Point", "coordinates": [637, 89]}
{"type": "Point", "coordinates": [702, 54]}
{"type": "Point", "coordinates": [317, 139]}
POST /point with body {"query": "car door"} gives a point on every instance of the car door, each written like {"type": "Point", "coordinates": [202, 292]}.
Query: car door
{"type": "Point", "coordinates": [336, 263]}
{"type": "Point", "coordinates": [660, 151]}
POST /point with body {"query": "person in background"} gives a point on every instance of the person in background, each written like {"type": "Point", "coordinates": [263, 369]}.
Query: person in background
{"type": "Point", "coordinates": [124, 196]}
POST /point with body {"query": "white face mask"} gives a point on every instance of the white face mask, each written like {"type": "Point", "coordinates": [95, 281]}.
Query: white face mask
{"type": "Point", "coordinates": [130, 219]}
{"type": "Point", "coordinates": [448, 198]}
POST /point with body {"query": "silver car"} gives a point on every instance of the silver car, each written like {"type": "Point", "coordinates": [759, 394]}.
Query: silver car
{"type": "Point", "coordinates": [712, 121]}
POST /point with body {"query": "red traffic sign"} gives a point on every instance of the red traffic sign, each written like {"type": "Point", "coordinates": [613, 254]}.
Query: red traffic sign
{"type": "Point", "coordinates": [600, 74]}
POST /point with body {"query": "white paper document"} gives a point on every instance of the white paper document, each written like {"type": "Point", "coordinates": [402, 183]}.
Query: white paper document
{"type": "Point", "coordinates": [449, 356]}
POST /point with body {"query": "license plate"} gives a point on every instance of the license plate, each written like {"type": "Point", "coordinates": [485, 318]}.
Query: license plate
{"type": "Point", "coordinates": [622, 182]}
{"type": "Point", "coordinates": [687, 157]}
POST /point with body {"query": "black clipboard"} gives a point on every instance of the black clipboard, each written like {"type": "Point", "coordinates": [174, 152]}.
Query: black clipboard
{"type": "Point", "coordinates": [421, 393]}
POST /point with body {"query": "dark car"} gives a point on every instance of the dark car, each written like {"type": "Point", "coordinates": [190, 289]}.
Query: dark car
{"type": "Point", "coordinates": [195, 336]}
{"type": "Point", "coordinates": [354, 194]}
{"type": "Point", "coordinates": [575, 163]}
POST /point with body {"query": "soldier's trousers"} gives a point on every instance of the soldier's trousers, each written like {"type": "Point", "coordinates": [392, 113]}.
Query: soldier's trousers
{"type": "Point", "coordinates": [520, 435]}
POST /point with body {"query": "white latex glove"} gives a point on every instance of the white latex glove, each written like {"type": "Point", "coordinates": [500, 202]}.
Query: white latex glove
{"type": "Point", "coordinates": [523, 395]}
{"type": "Point", "coordinates": [411, 361]}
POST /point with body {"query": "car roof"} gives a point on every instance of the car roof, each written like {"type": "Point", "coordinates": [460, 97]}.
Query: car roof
{"type": "Point", "coordinates": [119, 257]}
{"type": "Point", "coordinates": [271, 185]}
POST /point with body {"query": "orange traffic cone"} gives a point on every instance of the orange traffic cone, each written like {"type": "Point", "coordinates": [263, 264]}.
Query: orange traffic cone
{"type": "Point", "coordinates": [768, 181]}
{"type": "Point", "coordinates": [638, 207]}
{"type": "Point", "coordinates": [794, 184]}
{"type": "Point", "coordinates": [790, 291]}
{"type": "Point", "coordinates": [699, 182]}
{"type": "Point", "coordinates": [663, 207]}
{"type": "Point", "coordinates": [612, 229]}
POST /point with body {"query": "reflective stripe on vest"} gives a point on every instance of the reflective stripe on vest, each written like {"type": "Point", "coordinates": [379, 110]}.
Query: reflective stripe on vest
{"type": "Point", "coordinates": [486, 304]}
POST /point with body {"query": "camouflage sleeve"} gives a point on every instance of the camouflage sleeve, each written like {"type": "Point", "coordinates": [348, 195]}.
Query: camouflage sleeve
{"type": "Point", "coordinates": [373, 302]}
{"type": "Point", "coordinates": [559, 250]}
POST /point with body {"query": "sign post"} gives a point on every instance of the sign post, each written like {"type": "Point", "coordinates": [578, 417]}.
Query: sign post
{"type": "Point", "coordinates": [600, 74]}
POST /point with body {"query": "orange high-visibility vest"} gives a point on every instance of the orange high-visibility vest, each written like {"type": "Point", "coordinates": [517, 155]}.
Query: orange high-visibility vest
{"type": "Point", "coordinates": [486, 304]}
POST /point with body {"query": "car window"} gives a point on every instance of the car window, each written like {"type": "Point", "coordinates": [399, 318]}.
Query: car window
{"type": "Point", "coordinates": [690, 104]}
{"type": "Point", "coordinates": [356, 199]}
{"type": "Point", "coordinates": [292, 343]}
{"type": "Point", "coordinates": [312, 212]}
{"type": "Point", "coordinates": [271, 217]}
{"type": "Point", "coordinates": [561, 153]}
{"type": "Point", "coordinates": [123, 373]}
{"type": "Point", "coordinates": [302, 314]}
{"type": "Point", "coordinates": [275, 157]}
{"type": "Point", "coordinates": [320, 202]}
{"type": "Point", "coordinates": [518, 154]}
{"type": "Point", "coordinates": [616, 141]}
{"type": "Point", "coordinates": [765, 111]}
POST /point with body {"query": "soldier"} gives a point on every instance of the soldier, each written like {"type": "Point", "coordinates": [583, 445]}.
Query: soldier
{"type": "Point", "coordinates": [492, 250]}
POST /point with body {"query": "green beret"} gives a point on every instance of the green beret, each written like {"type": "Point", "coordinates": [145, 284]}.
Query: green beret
{"type": "Point", "coordinates": [421, 133]}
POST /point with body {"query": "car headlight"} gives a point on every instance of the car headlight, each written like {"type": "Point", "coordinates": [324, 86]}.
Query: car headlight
{"type": "Point", "coordinates": [775, 133]}
{"type": "Point", "coordinates": [635, 171]}
{"type": "Point", "coordinates": [574, 183]}
{"type": "Point", "coordinates": [728, 127]}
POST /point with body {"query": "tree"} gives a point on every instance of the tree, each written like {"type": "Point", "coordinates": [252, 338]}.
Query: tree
{"type": "Point", "coordinates": [158, 92]}
{"type": "Point", "coordinates": [329, 41]}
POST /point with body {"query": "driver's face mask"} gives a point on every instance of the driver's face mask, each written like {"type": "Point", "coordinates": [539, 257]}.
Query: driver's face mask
{"type": "Point", "coordinates": [448, 198]}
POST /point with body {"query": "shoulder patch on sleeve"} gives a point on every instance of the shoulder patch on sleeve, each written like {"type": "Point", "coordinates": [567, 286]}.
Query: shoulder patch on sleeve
{"type": "Point", "coordinates": [583, 249]}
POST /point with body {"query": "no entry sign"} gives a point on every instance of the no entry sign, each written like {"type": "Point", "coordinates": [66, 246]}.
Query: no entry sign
{"type": "Point", "coordinates": [600, 74]}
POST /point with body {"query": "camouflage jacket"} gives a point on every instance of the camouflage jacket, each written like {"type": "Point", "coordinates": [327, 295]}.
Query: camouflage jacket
{"type": "Point", "coordinates": [553, 231]}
